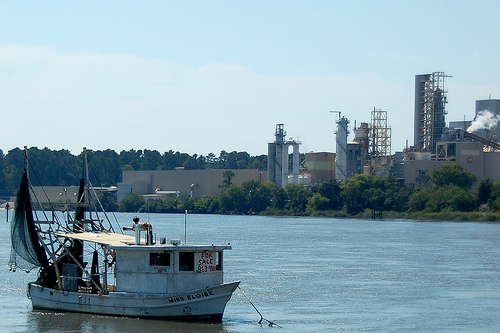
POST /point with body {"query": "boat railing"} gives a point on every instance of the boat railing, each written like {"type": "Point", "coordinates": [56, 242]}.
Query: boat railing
{"type": "Point", "coordinates": [45, 222]}
{"type": "Point", "coordinates": [88, 224]}
{"type": "Point", "coordinates": [80, 284]}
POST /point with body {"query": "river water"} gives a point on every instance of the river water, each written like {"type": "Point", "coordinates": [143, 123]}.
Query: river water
{"type": "Point", "coordinates": [314, 275]}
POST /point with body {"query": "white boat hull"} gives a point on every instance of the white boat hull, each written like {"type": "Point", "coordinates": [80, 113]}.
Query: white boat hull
{"type": "Point", "coordinates": [199, 305]}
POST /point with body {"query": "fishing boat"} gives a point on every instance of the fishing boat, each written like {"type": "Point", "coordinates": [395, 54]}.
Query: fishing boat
{"type": "Point", "coordinates": [88, 264]}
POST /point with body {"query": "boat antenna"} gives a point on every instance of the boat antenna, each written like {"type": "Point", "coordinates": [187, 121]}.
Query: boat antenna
{"type": "Point", "coordinates": [185, 217]}
{"type": "Point", "coordinates": [260, 314]}
{"type": "Point", "coordinates": [147, 204]}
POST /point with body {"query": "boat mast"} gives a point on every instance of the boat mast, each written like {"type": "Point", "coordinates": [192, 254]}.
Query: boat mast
{"type": "Point", "coordinates": [87, 180]}
{"type": "Point", "coordinates": [90, 218]}
{"type": "Point", "coordinates": [26, 163]}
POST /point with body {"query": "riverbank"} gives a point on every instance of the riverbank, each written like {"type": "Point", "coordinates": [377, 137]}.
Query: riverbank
{"type": "Point", "coordinates": [420, 216]}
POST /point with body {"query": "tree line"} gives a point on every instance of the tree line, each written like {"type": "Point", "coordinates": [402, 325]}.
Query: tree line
{"type": "Point", "coordinates": [61, 168]}
{"type": "Point", "coordinates": [449, 187]}
{"type": "Point", "coordinates": [449, 190]}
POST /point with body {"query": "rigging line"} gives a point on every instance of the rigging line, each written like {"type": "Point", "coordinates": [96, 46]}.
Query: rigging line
{"type": "Point", "coordinates": [107, 201]}
{"type": "Point", "coordinates": [261, 317]}
{"type": "Point", "coordinates": [38, 202]}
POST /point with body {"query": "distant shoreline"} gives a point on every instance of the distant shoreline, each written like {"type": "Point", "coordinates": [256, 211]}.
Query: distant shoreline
{"type": "Point", "coordinates": [420, 216]}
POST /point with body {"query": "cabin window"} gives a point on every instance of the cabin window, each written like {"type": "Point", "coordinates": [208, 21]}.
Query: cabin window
{"type": "Point", "coordinates": [159, 259]}
{"type": "Point", "coordinates": [186, 261]}
{"type": "Point", "coordinates": [218, 260]}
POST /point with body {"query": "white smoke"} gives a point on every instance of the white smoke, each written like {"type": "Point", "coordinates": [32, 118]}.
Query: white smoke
{"type": "Point", "coordinates": [484, 119]}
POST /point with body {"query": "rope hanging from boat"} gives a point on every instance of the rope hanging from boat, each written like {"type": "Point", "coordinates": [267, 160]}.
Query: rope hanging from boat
{"type": "Point", "coordinates": [261, 317]}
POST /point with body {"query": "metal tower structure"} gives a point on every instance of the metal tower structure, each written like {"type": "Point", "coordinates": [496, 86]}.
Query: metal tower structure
{"type": "Point", "coordinates": [274, 156]}
{"type": "Point", "coordinates": [380, 137]}
{"type": "Point", "coordinates": [430, 101]}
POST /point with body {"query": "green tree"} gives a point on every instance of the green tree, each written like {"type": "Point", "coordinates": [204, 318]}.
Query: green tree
{"type": "Point", "coordinates": [297, 198]}
{"type": "Point", "coordinates": [232, 200]}
{"type": "Point", "coordinates": [398, 199]}
{"type": "Point", "coordinates": [418, 200]}
{"type": "Point", "coordinates": [317, 203]}
{"type": "Point", "coordinates": [450, 191]}
{"type": "Point", "coordinates": [375, 198]}
{"type": "Point", "coordinates": [130, 158]}
{"type": "Point", "coordinates": [277, 199]}
{"type": "Point", "coordinates": [257, 162]}
{"type": "Point", "coordinates": [484, 190]}
{"type": "Point", "coordinates": [131, 203]}
{"type": "Point", "coordinates": [257, 196]}
{"type": "Point", "coordinates": [443, 198]}
{"type": "Point", "coordinates": [452, 174]}
{"type": "Point", "coordinates": [237, 160]}
{"type": "Point", "coordinates": [211, 161]}
{"type": "Point", "coordinates": [13, 167]}
{"type": "Point", "coordinates": [362, 192]}
{"type": "Point", "coordinates": [354, 193]}
{"type": "Point", "coordinates": [194, 163]}
{"type": "Point", "coordinates": [494, 199]}
{"type": "Point", "coordinates": [450, 198]}
{"type": "Point", "coordinates": [150, 160]}
{"type": "Point", "coordinates": [205, 205]}
{"type": "Point", "coordinates": [105, 167]}
{"type": "Point", "coordinates": [222, 160]}
{"type": "Point", "coordinates": [127, 167]}
{"type": "Point", "coordinates": [189, 204]}
{"type": "Point", "coordinates": [171, 160]}
{"type": "Point", "coordinates": [107, 202]}
{"type": "Point", "coordinates": [330, 190]}
{"type": "Point", "coordinates": [226, 179]}
{"type": "Point", "coordinates": [153, 206]}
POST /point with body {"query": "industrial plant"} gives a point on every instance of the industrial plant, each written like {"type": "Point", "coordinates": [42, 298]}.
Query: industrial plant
{"type": "Point", "coordinates": [369, 152]}
{"type": "Point", "coordinates": [471, 143]}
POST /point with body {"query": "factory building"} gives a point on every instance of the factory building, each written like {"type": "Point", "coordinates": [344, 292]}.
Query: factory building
{"type": "Point", "coordinates": [181, 183]}
{"type": "Point", "coordinates": [471, 155]}
{"type": "Point", "coordinates": [488, 112]}
{"type": "Point", "coordinates": [471, 143]}
{"type": "Point", "coordinates": [320, 166]}
{"type": "Point", "coordinates": [370, 150]}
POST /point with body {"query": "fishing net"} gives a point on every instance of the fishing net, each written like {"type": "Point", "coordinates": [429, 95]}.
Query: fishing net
{"type": "Point", "coordinates": [26, 251]}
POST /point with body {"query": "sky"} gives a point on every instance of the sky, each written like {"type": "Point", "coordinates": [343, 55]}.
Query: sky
{"type": "Point", "coordinates": [200, 77]}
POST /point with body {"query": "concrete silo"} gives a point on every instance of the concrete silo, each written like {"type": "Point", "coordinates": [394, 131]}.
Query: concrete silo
{"type": "Point", "coordinates": [341, 151]}
{"type": "Point", "coordinates": [486, 119]}
{"type": "Point", "coordinates": [277, 158]}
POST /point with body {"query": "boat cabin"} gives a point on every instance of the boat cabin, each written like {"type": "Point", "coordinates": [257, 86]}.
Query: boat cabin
{"type": "Point", "coordinates": [141, 266]}
{"type": "Point", "coordinates": [160, 269]}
